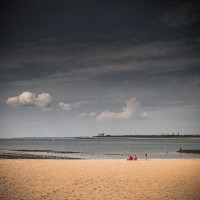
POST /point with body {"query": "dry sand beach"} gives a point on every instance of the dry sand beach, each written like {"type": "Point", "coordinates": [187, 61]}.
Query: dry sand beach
{"type": "Point", "coordinates": [100, 179]}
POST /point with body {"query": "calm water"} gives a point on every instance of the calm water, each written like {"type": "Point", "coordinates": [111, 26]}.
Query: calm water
{"type": "Point", "coordinates": [103, 149]}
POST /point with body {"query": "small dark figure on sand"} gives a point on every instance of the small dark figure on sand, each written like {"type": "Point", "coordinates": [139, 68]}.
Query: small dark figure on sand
{"type": "Point", "coordinates": [145, 156]}
{"type": "Point", "coordinates": [135, 157]}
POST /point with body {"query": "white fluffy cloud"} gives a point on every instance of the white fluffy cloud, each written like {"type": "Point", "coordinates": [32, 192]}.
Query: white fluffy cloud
{"type": "Point", "coordinates": [42, 100]}
{"type": "Point", "coordinates": [69, 106]}
{"type": "Point", "coordinates": [126, 113]}
{"type": "Point", "coordinates": [92, 114]}
{"type": "Point", "coordinates": [65, 106]}
{"type": "Point", "coordinates": [147, 115]}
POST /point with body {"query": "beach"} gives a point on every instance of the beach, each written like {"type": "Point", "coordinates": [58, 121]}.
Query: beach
{"type": "Point", "coordinates": [100, 179]}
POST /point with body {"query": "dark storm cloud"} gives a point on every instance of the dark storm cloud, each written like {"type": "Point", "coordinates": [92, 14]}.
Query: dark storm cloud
{"type": "Point", "coordinates": [102, 62]}
{"type": "Point", "coordinates": [27, 71]}
{"type": "Point", "coordinates": [24, 21]}
{"type": "Point", "coordinates": [80, 21]}
{"type": "Point", "coordinates": [183, 14]}
{"type": "Point", "coordinates": [148, 76]}
{"type": "Point", "coordinates": [82, 34]}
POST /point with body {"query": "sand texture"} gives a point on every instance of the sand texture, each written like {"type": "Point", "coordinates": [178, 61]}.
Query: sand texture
{"type": "Point", "coordinates": [100, 179]}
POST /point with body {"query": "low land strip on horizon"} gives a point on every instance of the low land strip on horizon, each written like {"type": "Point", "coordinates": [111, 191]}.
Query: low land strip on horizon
{"type": "Point", "coordinates": [102, 136]}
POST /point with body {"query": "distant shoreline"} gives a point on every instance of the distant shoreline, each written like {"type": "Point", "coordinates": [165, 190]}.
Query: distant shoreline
{"type": "Point", "coordinates": [131, 137]}
{"type": "Point", "coordinates": [148, 137]}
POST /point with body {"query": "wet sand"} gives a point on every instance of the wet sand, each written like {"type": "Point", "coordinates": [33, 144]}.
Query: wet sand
{"type": "Point", "coordinates": [100, 179]}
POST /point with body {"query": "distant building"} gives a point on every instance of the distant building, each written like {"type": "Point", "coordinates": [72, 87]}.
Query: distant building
{"type": "Point", "coordinates": [101, 135]}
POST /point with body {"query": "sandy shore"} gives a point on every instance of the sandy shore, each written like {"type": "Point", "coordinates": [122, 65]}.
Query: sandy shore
{"type": "Point", "coordinates": [100, 179]}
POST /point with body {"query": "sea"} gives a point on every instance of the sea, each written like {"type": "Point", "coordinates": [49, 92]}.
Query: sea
{"type": "Point", "coordinates": [87, 148]}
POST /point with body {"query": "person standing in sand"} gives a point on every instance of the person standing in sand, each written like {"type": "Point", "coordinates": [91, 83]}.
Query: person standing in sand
{"type": "Point", "coordinates": [135, 157]}
{"type": "Point", "coordinates": [145, 156]}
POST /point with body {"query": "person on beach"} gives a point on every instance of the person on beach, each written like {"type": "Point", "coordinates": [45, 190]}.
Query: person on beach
{"type": "Point", "coordinates": [135, 157]}
{"type": "Point", "coordinates": [130, 157]}
{"type": "Point", "coordinates": [145, 156]}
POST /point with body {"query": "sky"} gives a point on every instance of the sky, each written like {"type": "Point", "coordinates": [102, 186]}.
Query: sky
{"type": "Point", "coordinates": [84, 67]}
